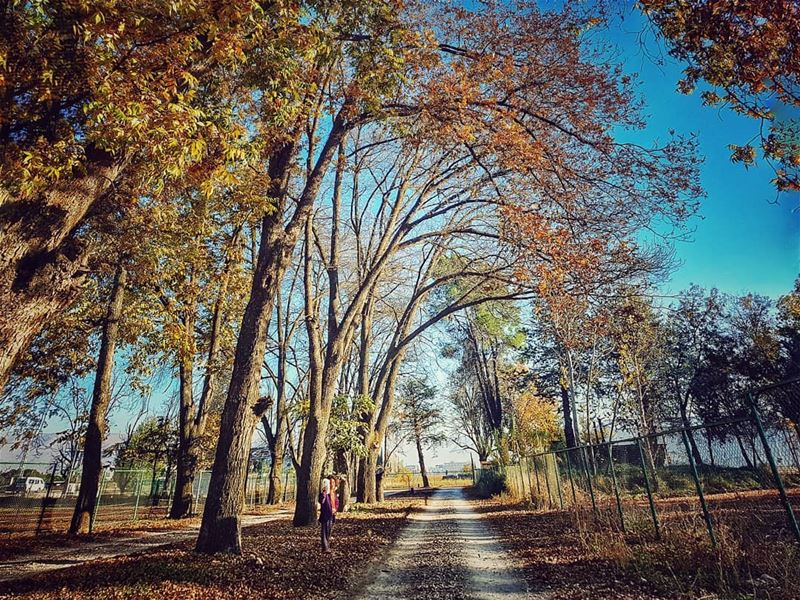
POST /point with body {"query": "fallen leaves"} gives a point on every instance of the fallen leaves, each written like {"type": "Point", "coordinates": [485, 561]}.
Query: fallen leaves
{"type": "Point", "coordinates": [278, 561]}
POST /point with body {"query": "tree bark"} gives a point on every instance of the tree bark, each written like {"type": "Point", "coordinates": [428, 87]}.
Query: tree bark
{"type": "Point", "coordinates": [342, 467]}
{"type": "Point", "coordinates": [187, 444]}
{"type": "Point", "coordinates": [569, 433]}
{"type": "Point", "coordinates": [698, 458]}
{"type": "Point", "coordinates": [101, 397]}
{"type": "Point", "coordinates": [220, 528]}
{"type": "Point", "coordinates": [192, 418]}
{"type": "Point", "coordinates": [40, 257]}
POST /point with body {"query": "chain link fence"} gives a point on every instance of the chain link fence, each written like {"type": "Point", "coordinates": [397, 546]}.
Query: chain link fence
{"type": "Point", "coordinates": [38, 498]}
{"type": "Point", "coordinates": [735, 479]}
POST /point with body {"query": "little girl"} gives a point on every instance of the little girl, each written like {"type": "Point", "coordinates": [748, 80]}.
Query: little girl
{"type": "Point", "coordinates": [325, 515]}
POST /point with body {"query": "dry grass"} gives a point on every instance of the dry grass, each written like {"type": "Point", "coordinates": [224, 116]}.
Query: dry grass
{"type": "Point", "coordinates": [754, 557]}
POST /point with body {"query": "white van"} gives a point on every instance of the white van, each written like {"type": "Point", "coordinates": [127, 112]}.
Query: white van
{"type": "Point", "coordinates": [27, 485]}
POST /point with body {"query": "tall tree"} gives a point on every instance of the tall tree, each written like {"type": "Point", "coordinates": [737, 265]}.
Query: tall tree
{"type": "Point", "coordinates": [101, 396]}
{"type": "Point", "coordinates": [422, 419]}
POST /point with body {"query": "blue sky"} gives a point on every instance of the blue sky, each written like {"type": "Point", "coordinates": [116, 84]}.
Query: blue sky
{"type": "Point", "coordinates": [747, 238]}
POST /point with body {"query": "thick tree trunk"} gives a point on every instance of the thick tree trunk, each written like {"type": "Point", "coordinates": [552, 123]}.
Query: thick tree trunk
{"type": "Point", "coordinates": [220, 529]}
{"type": "Point", "coordinates": [423, 471]}
{"type": "Point", "coordinates": [362, 479]}
{"type": "Point", "coordinates": [40, 257]}
{"type": "Point", "coordinates": [101, 396]}
{"type": "Point", "coordinates": [368, 473]}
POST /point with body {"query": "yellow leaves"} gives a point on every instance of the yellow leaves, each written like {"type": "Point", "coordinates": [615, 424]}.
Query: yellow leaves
{"type": "Point", "coordinates": [189, 79]}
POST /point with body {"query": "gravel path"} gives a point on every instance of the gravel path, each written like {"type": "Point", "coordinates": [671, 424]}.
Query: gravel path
{"type": "Point", "coordinates": [51, 559]}
{"type": "Point", "coordinates": [448, 552]}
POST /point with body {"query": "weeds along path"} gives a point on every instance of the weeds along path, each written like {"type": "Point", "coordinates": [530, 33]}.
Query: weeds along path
{"type": "Point", "coordinates": [447, 551]}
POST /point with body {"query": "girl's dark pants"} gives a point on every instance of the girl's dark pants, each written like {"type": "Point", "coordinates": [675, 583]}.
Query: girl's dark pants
{"type": "Point", "coordinates": [325, 533]}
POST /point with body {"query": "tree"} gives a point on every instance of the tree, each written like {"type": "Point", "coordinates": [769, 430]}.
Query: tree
{"type": "Point", "coordinates": [101, 397]}
{"type": "Point", "coordinates": [749, 55]}
{"type": "Point", "coordinates": [337, 31]}
{"type": "Point", "coordinates": [421, 418]}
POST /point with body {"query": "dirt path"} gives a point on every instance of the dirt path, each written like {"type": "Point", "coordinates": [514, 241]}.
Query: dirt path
{"type": "Point", "coordinates": [50, 559]}
{"type": "Point", "coordinates": [448, 552]}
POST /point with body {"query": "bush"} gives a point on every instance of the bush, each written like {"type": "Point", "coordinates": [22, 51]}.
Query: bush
{"type": "Point", "coordinates": [490, 483]}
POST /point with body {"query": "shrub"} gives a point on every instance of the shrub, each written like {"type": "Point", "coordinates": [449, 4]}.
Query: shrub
{"type": "Point", "coordinates": [490, 483]}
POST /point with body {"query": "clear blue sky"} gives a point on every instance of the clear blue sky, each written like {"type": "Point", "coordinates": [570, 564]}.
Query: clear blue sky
{"type": "Point", "coordinates": [746, 237]}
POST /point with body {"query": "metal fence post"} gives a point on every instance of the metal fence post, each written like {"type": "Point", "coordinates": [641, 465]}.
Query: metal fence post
{"type": "Point", "coordinates": [547, 484]}
{"type": "Point", "coordinates": [571, 479]}
{"type": "Point", "coordinates": [46, 499]}
{"type": "Point", "coordinates": [138, 494]}
{"type": "Point", "coordinates": [558, 480]}
{"type": "Point", "coordinates": [97, 500]}
{"type": "Point", "coordinates": [649, 490]}
{"type": "Point", "coordinates": [472, 464]}
{"type": "Point", "coordinates": [774, 468]}
{"type": "Point", "coordinates": [584, 460]}
{"type": "Point", "coordinates": [699, 487]}
{"type": "Point", "coordinates": [536, 473]}
{"type": "Point", "coordinates": [616, 487]}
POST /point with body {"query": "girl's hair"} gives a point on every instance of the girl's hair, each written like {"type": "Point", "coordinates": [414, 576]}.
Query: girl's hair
{"type": "Point", "coordinates": [326, 486]}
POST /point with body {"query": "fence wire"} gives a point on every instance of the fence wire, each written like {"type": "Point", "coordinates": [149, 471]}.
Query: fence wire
{"type": "Point", "coordinates": [37, 498]}
{"type": "Point", "coordinates": [734, 478]}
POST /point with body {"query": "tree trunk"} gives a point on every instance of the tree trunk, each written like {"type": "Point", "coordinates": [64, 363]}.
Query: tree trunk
{"type": "Point", "coordinates": [569, 433]}
{"type": "Point", "coordinates": [220, 528]}
{"type": "Point", "coordinates": [187, 452]}
{"type": "Point", "coordinates": [698, 458]}
{"type": "Point", "coordinates": [368, 473]}
{"type": "Point", "coordinates": [747, 460]}
{"type": "Point", "coordinates": [101, 396]}
{"type": "Point", "coordinates": [342, 467]}
{"type": "Point", "coordinates": [425, 482]}
{"type": "Point", "coordinates": [276, 467]}
{"type": "Point", "coordinates": [40, 256]}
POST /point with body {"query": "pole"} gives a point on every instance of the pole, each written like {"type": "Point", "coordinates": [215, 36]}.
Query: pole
{"type": "Point", "coordinates": [97, 501]}
{"type": "Point", "coordinates": [616, 487]}
{"type": "Point", "coordinates": [547, 483]}
{"type": "Point", "coordinates": [649, 490]}
{"type": "Point", "coordinates": [536, 473]}
{"type": "Point", "coordinates": [46, 499]}
{"type": "Point", "coordinates": [138, 494]}
{"type": "Point", "coordinates": [528, 473]}
{"type": "Point", "coordinates": [571, 480]}
{"type": "Point", "coordinates": [472, 463]}
{"type": "Point", "coordinates": [585, 462]}
{"type": "Point", "coordinates": [558, 480]}
{"type": "Point", "coordinates": [774, 468]}
{"type": "Point", "coordinates": [699, 486]}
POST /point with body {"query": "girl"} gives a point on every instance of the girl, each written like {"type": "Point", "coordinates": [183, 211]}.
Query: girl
{"type": "Point", "coordinates": [325, 515]}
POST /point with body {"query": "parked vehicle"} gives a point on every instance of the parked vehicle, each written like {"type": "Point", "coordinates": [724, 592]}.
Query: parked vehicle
{"type": "Point", "coordinates": [27, 485]}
